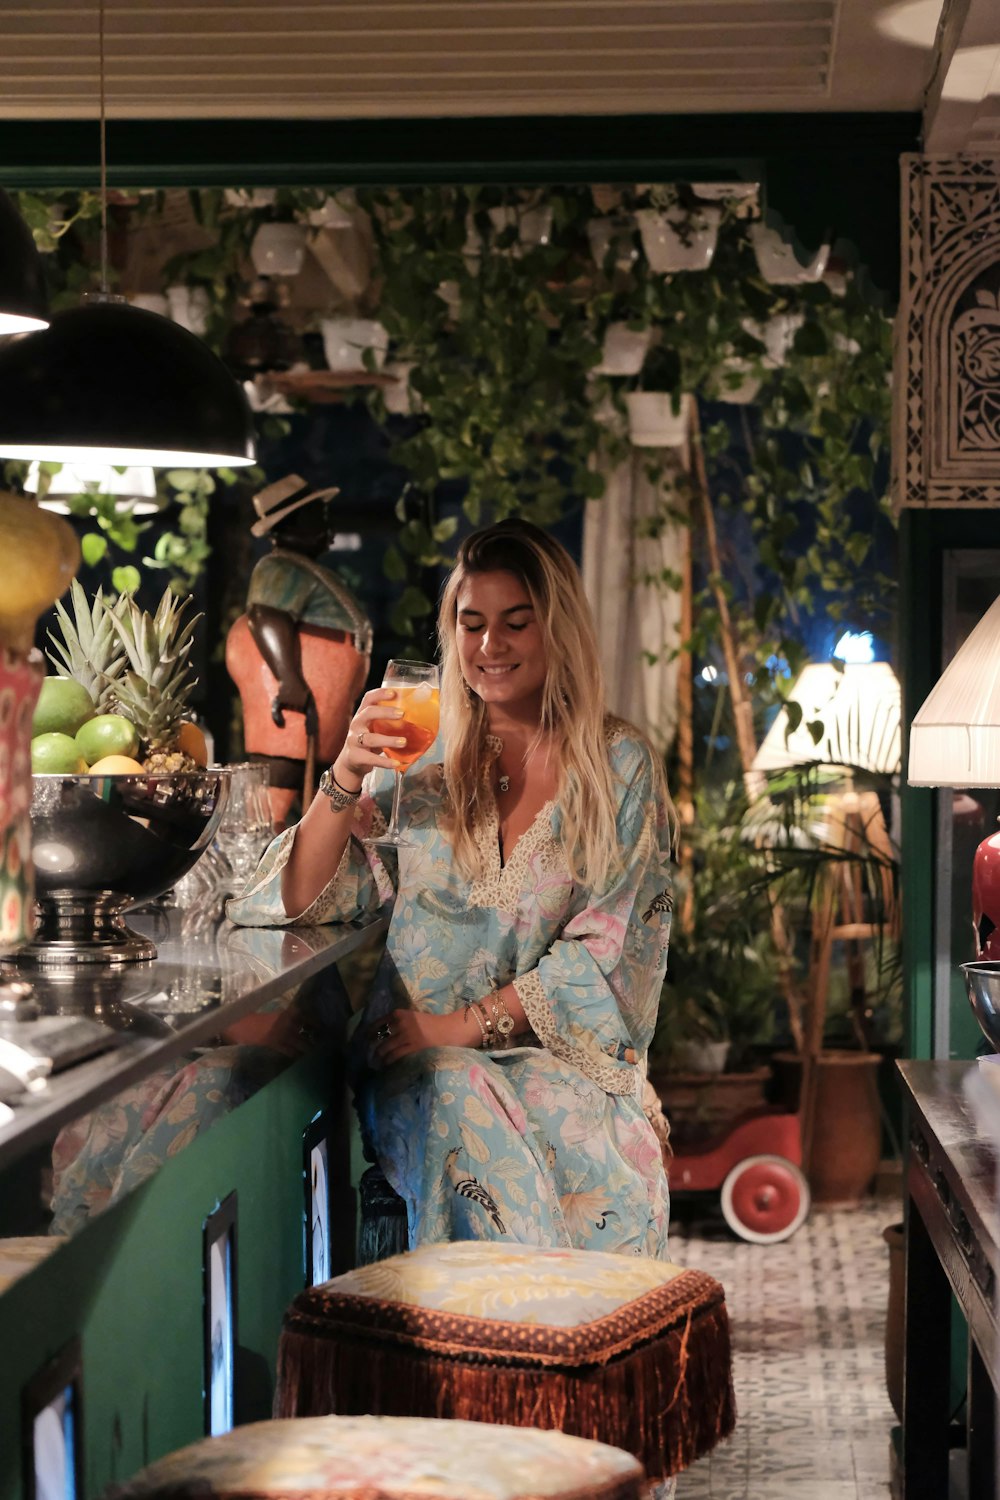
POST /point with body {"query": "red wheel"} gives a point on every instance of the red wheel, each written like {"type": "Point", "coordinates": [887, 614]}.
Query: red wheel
{"type": "Point", "coordinates": [765, 1199]}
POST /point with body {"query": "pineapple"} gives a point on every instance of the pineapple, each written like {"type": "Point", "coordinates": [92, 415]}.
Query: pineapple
{"type": "Point", "coordinates": [90, 650]}
{"type": "Point", "coordinates": [155, 687]}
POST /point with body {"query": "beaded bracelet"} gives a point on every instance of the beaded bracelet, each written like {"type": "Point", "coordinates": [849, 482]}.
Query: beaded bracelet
{"type": "Point", "coordinates": [489, 1030]}
{"type": "Point", "coordinates": [475, 1011]}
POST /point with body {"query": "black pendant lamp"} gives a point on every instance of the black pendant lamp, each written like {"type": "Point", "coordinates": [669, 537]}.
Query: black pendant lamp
{"type": "Point", "coordinates": [110, 383]}
{"type": "Point", "coordinates": [23, 301]}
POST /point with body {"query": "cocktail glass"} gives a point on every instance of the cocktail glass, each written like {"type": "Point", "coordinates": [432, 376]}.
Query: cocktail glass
{"type": "Point", "coordinates": [416, 685]}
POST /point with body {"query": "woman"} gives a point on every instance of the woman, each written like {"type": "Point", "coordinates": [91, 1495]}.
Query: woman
{"type": "Point", "coordinates": [529, 927]}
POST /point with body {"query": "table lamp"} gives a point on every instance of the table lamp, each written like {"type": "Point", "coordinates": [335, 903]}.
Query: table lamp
{"type": "Point", "coordinates": [955, 742]}
{"type": "Point", "coordinates": [857, 704]}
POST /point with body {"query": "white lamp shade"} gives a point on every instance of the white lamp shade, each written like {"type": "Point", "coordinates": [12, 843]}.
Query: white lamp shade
{"type": "Point", "coordinates": [955, 735]}
{"type": "Point", "coordinates": [859, 707]}
{"type": "Point", "coordinates": [136, 485]}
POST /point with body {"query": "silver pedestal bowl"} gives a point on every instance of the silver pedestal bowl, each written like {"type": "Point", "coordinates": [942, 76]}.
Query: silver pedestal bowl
{"type": "Point", "coordinates": [101, 844]}
{"type": "Point", "coordinates": [982, 981]}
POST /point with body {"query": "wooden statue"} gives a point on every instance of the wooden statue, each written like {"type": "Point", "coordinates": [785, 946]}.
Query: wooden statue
{"type": "Point", "coordinates": [300, 654]}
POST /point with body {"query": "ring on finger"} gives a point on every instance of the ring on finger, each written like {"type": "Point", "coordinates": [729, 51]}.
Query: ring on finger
{"type": "Point", "coordinates": [384, 1032]}
{"type": "Point", "coordinates": [361, 737]}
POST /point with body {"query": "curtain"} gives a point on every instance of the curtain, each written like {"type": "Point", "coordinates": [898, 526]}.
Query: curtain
{"type": "Point", "coordinates": [628, 546]}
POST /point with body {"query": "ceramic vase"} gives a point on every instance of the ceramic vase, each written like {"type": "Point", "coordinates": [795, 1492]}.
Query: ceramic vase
{"type": "Point", "coordinates": [20, 681]}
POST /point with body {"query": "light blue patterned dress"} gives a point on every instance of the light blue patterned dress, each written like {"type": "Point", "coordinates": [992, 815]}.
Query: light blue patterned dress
{"type": "Point", "coordinates": [542, 1144]}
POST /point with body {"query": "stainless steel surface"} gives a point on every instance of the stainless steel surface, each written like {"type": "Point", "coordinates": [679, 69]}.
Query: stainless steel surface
{"type": "Point", "coordinates": [205, 978]}
{"type": "Point", "coordinates": [982, 981]}
{"type": "Point", "coordinates": [181, 1042]}
{"type": "Point", "coordinates": [101, 844]}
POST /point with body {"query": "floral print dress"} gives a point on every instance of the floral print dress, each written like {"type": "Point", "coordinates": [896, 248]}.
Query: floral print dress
{"type": "Point", "coordinates": [542, 1144]}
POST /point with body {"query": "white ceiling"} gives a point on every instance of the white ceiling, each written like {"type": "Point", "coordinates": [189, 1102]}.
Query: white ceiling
{"type": "Point", "coordinates": [397, 58]}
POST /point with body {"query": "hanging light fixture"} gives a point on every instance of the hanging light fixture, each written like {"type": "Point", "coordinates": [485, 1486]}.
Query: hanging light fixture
{"type": "Point", "coordinates": [108, 383]}
{"type": "Point", "coordinates": [133, 489]}
{"type": "Point", "coordinates": [23, 302]}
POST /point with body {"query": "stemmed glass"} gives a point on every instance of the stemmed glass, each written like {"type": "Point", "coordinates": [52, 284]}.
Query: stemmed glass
{"type": "Point", "coordinates": [246, 828]}
{"type": "Point", "coordinates": [416, 685]}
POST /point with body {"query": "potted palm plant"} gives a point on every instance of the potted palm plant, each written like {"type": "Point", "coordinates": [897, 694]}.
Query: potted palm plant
{"type": "Point", "coordinates": [721, 984]}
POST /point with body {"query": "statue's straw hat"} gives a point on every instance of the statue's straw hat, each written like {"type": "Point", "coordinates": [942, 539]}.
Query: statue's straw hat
{"type": "Point", "coordinates": [278, 500]}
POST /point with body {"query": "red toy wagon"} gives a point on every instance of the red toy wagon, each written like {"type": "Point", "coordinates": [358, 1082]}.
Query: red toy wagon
{"type": "Point", "coordinates": [757, 1168]}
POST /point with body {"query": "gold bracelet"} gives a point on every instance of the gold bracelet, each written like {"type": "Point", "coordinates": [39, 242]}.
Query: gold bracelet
{"type": "Point", "coordinates": [504, 1020]}
{"type": "Point", "coordinates": [475, 1011]}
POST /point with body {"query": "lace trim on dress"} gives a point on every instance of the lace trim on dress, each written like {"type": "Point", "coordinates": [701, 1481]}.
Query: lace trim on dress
{"type": "Point", "coordinates": [613, 1077]}
{"type": "Point", "coordinates": [499, 885]}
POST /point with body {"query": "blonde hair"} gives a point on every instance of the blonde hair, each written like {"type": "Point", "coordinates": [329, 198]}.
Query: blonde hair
{"type": "Point", "coordinates": [572, 701]}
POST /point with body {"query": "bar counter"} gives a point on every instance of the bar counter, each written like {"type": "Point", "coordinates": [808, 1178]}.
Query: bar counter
{"type": "Point", "coordinates": [208, 976]}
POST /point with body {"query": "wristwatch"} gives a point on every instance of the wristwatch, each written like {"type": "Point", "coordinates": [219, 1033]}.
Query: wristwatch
{"type": "Point", "coordinates": [340, 797]}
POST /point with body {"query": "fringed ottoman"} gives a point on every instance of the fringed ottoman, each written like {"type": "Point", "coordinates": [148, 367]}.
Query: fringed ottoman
{"type": "Point", "coordinates": [621, 1349]}
{"type": "Point", "coordinates": [388, 1458]}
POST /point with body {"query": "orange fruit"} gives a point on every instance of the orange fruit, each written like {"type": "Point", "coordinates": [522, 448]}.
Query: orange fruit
{"type": "Point", "coordinates": [191, 741]}
{"type": "Point", "coordinates": [117, 765]}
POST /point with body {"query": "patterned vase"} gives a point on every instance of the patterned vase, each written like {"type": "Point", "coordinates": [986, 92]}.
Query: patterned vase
{"type": "Point", "coordinates": [20, 681]}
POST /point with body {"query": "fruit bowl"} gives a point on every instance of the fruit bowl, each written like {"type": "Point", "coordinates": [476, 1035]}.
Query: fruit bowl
{"type": "Point", "coordinates": [101, 844]}
{"type": "Point", "coordinates": [982, 982]}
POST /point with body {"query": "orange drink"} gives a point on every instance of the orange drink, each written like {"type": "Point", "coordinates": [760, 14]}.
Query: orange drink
{"type": "Point", "coordinates": [420, 704]}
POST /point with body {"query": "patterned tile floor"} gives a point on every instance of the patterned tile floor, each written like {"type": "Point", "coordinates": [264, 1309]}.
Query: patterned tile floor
{"type": "Point", "coordinates": [808, 1321]}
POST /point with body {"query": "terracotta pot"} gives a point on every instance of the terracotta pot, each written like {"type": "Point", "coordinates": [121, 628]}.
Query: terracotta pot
{"type": "Point", "coordinates": [895, 1237]}
{"type": "Point", "coordinates": [847, 1128]}
{"type": "Point", "coordinates": [701, 1106]}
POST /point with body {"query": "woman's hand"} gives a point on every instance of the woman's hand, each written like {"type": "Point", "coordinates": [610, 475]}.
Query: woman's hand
{"type": "Point", "coordinates": [363, 749]}
{"type": "Point", "coordinates": [404, 1032]}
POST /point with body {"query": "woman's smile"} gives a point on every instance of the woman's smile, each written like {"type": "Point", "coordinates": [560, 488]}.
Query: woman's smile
{"type": "Point", "coordinates": [500, 642]}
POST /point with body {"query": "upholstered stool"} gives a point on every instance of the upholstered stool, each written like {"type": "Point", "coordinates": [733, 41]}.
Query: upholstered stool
{"type": "Point", "coordinates": [388, 1458]}
{"type": "Point", "coordinates": [622, 1349]}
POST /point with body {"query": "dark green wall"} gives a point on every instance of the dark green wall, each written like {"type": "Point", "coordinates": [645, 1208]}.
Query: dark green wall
{"type": "Point", "coordinates": [130, 1286]}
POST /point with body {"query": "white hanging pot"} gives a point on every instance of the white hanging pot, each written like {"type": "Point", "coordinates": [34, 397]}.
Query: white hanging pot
{"type": "Point", "coordinates": [678, 241]}
{"type": "Point", "coordinates": [533, 225]}
{"type": "Point", "coordinates": [623, 350]}
{"type": "Point", "coordinates": [278, 249]}
{"type": "Point", "coordinates": [606, 233]}
{"type": "Point", "coordinates": [189, 306]}
{"type": "Point", "coordinates": [335, 212]}
{"type": "Point", "coordinates": [652, 421]}
{"type": "Point", "coordinates": [451, 295]}
{"type": "Point", "coordinates": [250, 197]}
{"type": "Point", "coordinates": [777, 335]}
{"type": "Point", "coordinates": [345, 341]}
{"type": "Point", "coordinates": [401, 400]}
{"type": "Point", "coordinates": [737, 382]}
{"type": "Point", "coordinates": [778, 263]}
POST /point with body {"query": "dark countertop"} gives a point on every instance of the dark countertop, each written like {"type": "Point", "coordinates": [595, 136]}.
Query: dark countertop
{"type": "Point", "coordinates": [207, 976]}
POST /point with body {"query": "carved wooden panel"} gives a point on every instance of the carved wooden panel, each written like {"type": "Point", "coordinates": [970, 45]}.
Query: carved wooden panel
{"type": "Point", "coordinates": [947, 377]}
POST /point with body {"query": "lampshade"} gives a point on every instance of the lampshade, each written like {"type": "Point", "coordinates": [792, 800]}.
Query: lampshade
{"type": "Point", "coordinates": [110, 383]}
{"type": "Point", "coordinates": [858, 705]}
{"type": "Point", "coordinates": [23, 300]}
{"type": "Point", "coordinates": [955, 736]}
{"type": "Point", "coordinates": [136, 486]}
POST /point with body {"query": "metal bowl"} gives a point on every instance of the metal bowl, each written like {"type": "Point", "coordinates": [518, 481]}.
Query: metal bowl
{"type": "Point", "coordinates": [101, 844]}
{"type": "Point", "coordinates": [982, 980]}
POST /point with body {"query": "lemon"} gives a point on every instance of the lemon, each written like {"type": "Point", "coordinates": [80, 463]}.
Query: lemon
{"type": "Point", "coordinates": [41, 554]}
{"type": "Point", "coordinates": [63, 704]}
{"type": "Point", "coordinates": [107, 734]}
{"type": "Point", "coordinates": [56, 754]}
{"type": "Point", "coordinates": [117, 765]}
